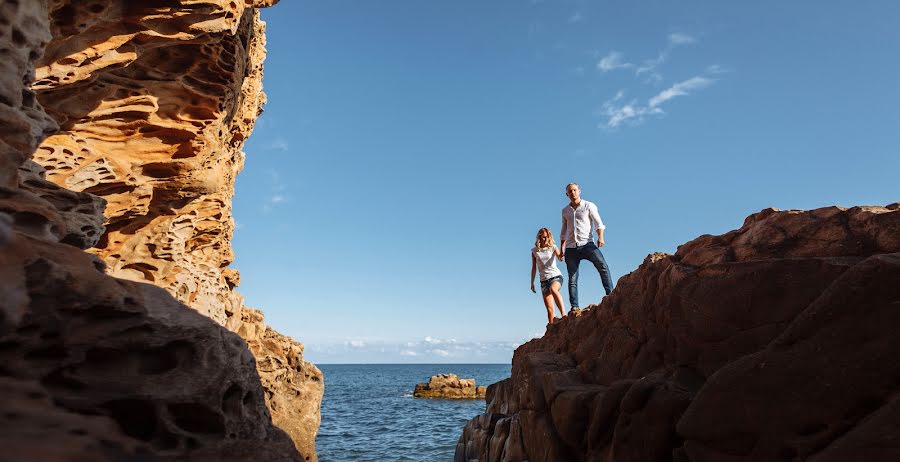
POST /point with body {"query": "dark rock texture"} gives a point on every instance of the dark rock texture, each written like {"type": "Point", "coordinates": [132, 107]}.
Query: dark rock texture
{"type": "Point", "coordinates": [776, 341]}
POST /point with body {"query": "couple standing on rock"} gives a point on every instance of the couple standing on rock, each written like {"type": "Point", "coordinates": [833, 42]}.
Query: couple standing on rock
{"type": "Point", "coordinates": [579, 219]}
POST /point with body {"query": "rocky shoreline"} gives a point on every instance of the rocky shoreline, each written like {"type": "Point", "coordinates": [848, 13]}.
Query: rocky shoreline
{"type": "Point", "coordinates": [776, 342]}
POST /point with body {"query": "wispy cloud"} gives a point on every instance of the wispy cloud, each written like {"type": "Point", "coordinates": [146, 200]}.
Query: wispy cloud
{"type": "Point", "coordinates": [618, 113]}
{"type": "Point", "coordinates": [576, 17]}
{"type": "Point", "coordinates": [613, 61]}
{"type": "Point", "coordinates": [679, 38]}
{"type": "Point", "coordinates": [715, 69]}
{"type": "Point", "coordinates": [680, 89]}
{"type": "Point", "coordinates": [277, 192]}
{"type": "Point", "coordinates": [647, 70]}
{"type": "Point", "coordinates": [278, 144]}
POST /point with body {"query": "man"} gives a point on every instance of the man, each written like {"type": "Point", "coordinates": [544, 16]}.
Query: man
{"type": "Point", "coordinates": [579, 219]}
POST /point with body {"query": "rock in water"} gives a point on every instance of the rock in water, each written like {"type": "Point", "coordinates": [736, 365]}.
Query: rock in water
{"type": "Point", "coordinates": [449, 386]}
{"type": "Point", "coordinates": [774, 342]}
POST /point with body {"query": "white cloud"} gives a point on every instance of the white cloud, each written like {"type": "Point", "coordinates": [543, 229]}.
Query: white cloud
{"type": "Point", "coordinates": [357, 343]}
{"type": "Point", "coordinates": [680, 89]}
{"type": "Point", "coordinates": [613, 61]}
{"type": "Point", "coordinates": [277, 193]}
{"type": "Point", "coordinates": [681, 39]}
{"type": "Point", "coordinates": [278, 144]}
{"type": "Point", "coordinates": [717, 69]}
{"type": "Point", "coordinates": [408, 353]}
{"type": "Point", "coordinates": [633, 113]}
{"type": "Point", "coordinates": [439, 352]}
{"type": "Point", "coordinates": [647, 70]}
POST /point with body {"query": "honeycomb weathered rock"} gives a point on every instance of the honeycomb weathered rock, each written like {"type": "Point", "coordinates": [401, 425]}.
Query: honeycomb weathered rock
{"type": "Point", "coordinates": [79, 344]}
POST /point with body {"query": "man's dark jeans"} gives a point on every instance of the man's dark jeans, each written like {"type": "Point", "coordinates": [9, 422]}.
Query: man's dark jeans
{"type": "Point", "coordinates": [589, 252]}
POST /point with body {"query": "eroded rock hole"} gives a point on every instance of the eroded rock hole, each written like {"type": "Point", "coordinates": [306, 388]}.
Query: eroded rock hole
{"type": "Point", "coordinates": [231, 400]}
{"type": "Point", "coordinates": [160, 170]}
{"type": "Point", "coordinates": [167, 358]}
{"type": "Point", "coordinates": [197, 418]}
{"type": "Point", "coordinates": [18, 38]}
{"type": "Point", "coordinates": [137, 418]}
{"type": "Point", "coordinates": [51, 352]}
{"type": "Point", "coordinates": [60, 379]}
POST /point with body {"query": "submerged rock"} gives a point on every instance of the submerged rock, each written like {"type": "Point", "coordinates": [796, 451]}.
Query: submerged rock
{"type": "Point", "coordinates": [449, 386]}
{"type": "Point", "coordinates": [777, 342]}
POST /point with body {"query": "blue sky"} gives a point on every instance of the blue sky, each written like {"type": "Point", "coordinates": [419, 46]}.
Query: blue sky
{"type": "Point", "coordinates": [410, 150]}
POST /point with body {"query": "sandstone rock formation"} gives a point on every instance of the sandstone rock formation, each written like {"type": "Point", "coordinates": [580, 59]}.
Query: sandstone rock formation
{"type": "Point", "coordinates": [774, 342]}
{"type": "Point", "coordinates": [154, 101]}
{"type": "Point", "coordinates": [150, 102]}
{"type": "Point", "coordinates": [449, 386]}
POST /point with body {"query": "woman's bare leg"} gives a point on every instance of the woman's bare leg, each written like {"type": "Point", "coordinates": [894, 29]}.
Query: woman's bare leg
{"type": "Point", "coordinates": [554, 290]}
{"type": "Point", "coordinates": [548, 302]}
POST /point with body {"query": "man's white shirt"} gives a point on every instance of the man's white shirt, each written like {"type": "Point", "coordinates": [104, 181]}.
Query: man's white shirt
{"type": "Point", "coordinates": [579, 224]}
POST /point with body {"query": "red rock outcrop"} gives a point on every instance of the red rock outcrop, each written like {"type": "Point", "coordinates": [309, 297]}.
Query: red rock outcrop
{"type": "Point", "coordinates": [776, 341]}
{"type": "Point", "coordinates": [150, 104]}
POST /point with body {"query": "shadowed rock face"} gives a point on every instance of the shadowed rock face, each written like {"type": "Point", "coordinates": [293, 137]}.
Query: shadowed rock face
{"type": "Point", "coordinates": [776, 341]}
{"type": "Point", "coordinates": [106, 368]}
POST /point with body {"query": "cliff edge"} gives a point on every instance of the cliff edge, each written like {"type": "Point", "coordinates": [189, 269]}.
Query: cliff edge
{"type": "Point", "coordinates": [776, 341]}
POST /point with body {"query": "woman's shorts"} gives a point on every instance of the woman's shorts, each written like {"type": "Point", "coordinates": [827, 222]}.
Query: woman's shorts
{"type": "Point", "coordinates": [545, 285]}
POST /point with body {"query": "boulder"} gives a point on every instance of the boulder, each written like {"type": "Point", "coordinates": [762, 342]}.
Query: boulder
{"type": "Point", "coordinates": [449, 386]}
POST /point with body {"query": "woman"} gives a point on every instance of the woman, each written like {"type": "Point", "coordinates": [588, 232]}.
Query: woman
{"type": "Point", "coordinates": [543, 260]}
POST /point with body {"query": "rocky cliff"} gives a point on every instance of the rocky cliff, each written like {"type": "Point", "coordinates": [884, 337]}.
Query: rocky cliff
{"type": "Point", "coordinates": [149, 104]}
{"type": "Point", "coordinates": [774, 342]}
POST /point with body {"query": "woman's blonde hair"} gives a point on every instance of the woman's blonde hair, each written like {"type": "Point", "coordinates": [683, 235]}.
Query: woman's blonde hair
{"type": "Point", "coordinates": [537, 239]}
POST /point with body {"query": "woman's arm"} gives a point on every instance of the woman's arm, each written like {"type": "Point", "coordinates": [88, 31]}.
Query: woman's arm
{"type": "Point", "coordinates": [533, 271]}
{"type": "Point", "coordinates": [557, 252]}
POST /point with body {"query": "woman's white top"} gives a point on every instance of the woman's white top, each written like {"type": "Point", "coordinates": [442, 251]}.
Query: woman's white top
{"type": "Point", "coordinates": [545, 259]}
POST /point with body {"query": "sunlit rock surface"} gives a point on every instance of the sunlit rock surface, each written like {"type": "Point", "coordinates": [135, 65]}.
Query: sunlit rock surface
{"type": "Point", "coordinates": [774, 342]}
{"type": "Point", "coordinates": [449, 386]}
{"type": "Point", "coordinates": [149, 104]}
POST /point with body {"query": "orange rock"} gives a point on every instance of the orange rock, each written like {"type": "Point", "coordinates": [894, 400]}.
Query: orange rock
{"type": "Point", "coordinates": [149, 106]}
{"type": "Point", "coordinates": [449, 386]}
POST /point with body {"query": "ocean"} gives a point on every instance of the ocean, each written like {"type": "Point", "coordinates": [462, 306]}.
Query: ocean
{"type": "Point", "coordinates": [369, 414]}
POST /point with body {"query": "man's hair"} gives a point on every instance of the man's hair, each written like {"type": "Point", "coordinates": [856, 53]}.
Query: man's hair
{"type": "Point", "coordinates": [571, 184]}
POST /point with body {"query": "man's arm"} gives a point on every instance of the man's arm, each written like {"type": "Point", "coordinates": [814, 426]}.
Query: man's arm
{"type": "Point", "coordinates": [598, 224]}
{"type": "Point", "coordinates": [562, 238]}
